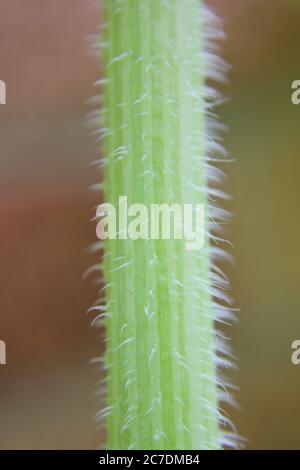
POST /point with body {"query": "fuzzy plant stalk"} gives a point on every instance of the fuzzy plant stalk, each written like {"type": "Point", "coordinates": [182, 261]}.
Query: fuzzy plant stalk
{"type": "Point", "coordinates": [162, 348]}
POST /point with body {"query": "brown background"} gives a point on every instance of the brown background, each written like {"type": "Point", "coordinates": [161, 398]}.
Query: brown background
{"type": "Point", "coordinates": [48, 389]}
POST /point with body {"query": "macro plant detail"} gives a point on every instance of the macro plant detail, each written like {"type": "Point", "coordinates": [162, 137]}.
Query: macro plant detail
{"type": "Point", "coordinates": [161, 303]}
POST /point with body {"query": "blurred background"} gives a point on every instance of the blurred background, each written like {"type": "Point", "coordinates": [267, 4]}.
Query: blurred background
{"type": "Point", "coordinates": [47, 388]}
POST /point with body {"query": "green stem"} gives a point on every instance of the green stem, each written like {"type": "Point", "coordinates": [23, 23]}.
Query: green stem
{"type": "Point", "coordinates": [161, 367]}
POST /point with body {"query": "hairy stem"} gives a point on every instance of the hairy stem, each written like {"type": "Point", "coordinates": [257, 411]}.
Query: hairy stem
{"type": "Point", "coordinates": [160, 358]}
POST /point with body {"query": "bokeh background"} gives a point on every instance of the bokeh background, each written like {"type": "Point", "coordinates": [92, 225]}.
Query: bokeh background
{"type": "Point", "coordinates": [47, 388]}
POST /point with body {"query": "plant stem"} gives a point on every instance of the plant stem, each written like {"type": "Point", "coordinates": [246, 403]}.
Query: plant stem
{"type": "Point", "coordinates": [160, 358]}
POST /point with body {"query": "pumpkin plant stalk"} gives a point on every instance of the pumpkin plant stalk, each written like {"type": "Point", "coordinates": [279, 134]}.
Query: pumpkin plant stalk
{"type": "Point", "coordinates": [163, 351]}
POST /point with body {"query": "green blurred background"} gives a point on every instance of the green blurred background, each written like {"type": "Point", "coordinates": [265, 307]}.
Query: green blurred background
{"type": "Point", "coordinates": [48, 389]}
